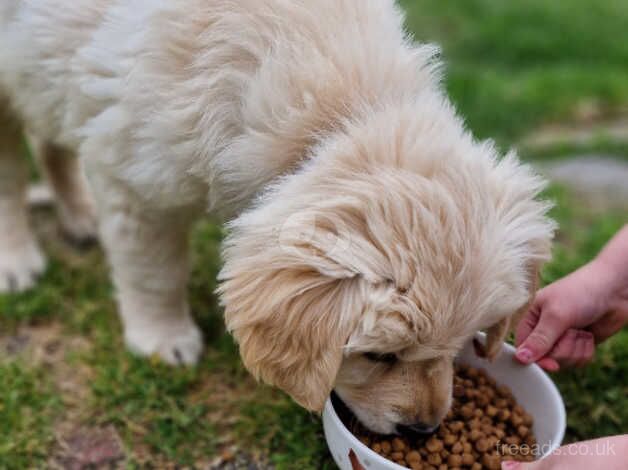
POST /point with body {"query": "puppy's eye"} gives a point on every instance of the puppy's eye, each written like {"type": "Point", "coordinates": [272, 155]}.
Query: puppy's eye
{"type": "Point", "coordinates": [378, 357]}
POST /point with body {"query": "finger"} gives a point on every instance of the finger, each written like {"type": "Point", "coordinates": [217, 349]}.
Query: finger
{"type": "Point", "coordinates": [527, 323]}
{"type": "Point", "coordinates": [574, 348]}
{"type": "Point", "coordinates": [588, 349]}
{"type": "Point", "coordinates": [548, 364]}
{"type": "Point", "coordinates": [564, 351]}
{"type": "Point", "coordinates": [541, 340]}
{"type": "Point", "coordinates": [355, 463]}
{"type": "Point", "coordinates": [577, 357]}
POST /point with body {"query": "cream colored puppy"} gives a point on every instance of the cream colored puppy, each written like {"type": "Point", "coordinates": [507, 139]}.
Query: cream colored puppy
{"type": "Point", "coordinates": [370, 234]}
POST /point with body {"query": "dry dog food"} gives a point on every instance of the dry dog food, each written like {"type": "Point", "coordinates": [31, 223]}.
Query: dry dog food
{"type": "Point", "coordinates": [484, 426]}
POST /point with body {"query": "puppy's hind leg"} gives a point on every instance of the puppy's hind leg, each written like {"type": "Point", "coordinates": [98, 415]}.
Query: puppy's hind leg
{"type": "Point", "coordinates": [21, 260]}
{"type": "Point", "coordinates": [75, 208]}
{"type": "Point", "coordinates": [148, 256]}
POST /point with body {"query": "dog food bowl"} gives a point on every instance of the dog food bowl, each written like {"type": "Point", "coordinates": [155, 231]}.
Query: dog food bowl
{"type": "Point", "coordinates": [532, 388]}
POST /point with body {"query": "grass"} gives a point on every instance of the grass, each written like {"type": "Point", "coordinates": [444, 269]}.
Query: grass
{"type": "Point", "coordinates": [28, 406]}
{"type": "Point", "coordinates": [596, 396]}
{"type": "Point", "coordinates": [515, 66]}
{"type": "Point", "coordinates": [512, 67]}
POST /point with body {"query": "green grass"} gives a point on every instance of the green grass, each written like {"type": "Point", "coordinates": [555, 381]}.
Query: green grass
{"type": "Point", "coordinates": [596, 396]}
{"type": "Point", "coordinates": [149, 402]}
{"type": "Point", "coordinates": [28, 406]}
{"type": "Point", "coordinates": [512, 67]}
{"type": "Point", "coordinates": [293, 437]}
{"type": "Point", "coordinates": [169, 411]}
{"type": "Point", "coordinates": [172, 412]}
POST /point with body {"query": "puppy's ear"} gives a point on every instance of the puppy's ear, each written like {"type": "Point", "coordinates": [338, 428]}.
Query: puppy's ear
{"type": "Point", "coordinates": [291, 326]}
{"type": "Point", "coordinates": [498, 333]}
{"type": "Point", "coordinates": [495, 336]}
{"type": "Point", "coordinates": [291, 307]}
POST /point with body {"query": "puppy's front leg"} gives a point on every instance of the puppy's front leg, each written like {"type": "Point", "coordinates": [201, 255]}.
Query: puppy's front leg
{"type": "Point", "coordinates": [21, 260]}
{"type": "Point", "coordinates": [149, 260]}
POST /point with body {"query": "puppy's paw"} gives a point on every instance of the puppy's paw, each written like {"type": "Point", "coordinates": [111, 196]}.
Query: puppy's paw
{"type": "Point", "coordinates": [20, 266]}
{"type": "Point", "coordinates": [184, 348]}
{"type": "Point", "coordinates": [179, 344]}
{"type": "Point", "coordinates": [79, 227]}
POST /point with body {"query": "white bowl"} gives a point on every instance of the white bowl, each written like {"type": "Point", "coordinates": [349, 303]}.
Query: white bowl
{"type": "Point", "coordinates": [532, 388]}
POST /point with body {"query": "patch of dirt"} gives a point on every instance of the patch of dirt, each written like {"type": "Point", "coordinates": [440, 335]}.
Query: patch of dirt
{"type": "Point", "coordinates": [41, 344]}
{"type": "Point", "coordinates": [224, 395]}
{"type": "Point", "coordinates": [92, 448]}
{"type": "Point", "coordinates": [602, 180]}
{"type": "Point", "coordinates": [237, 460]}
{"type": "Point", "coordinates": [584, 133]}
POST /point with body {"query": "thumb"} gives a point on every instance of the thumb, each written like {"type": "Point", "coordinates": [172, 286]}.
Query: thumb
{"type": "Point", "coordinates": [527, 324]}
{"type": "Point", "coordinates": [537, 334]}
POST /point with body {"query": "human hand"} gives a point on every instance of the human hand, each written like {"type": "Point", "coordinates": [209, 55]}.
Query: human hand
{"type": "Point", "coordinates": [568, 317]}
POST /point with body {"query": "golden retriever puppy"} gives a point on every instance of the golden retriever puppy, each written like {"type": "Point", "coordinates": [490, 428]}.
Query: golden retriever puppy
{"type": "Point", "coordinates": [370, 234]}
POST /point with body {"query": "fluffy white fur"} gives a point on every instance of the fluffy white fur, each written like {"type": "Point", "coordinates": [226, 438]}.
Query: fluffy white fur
{"type": "Point", "coordinates": [374, 222]}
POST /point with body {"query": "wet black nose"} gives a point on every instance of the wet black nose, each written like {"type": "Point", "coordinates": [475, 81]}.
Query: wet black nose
{"type": "Point", "coordinates": [417, 428]}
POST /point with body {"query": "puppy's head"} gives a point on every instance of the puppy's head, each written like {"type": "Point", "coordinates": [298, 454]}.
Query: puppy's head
{"type": "Point", "coordinates": [368, 270]}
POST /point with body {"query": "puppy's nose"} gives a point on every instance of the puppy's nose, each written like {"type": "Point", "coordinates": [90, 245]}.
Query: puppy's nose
{"type": "Point", "coordinates": [417, 428]}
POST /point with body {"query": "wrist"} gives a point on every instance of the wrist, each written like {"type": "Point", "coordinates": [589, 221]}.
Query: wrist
{"type": "Point", "coordinates": [612, 276]}
{"type": "Point", "coordinates": [613, 259]}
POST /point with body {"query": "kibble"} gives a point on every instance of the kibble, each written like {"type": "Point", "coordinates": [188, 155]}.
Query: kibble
{"type": "Point", "coordinates": [434, 445]}
{"type": "Point", "coordinates": [413, 456]}
{"type": "Point", "coordinates": [483, 416]}
{"type": "Point", "coordinates": [386, 447]}
{"type": "Point", "coordinates": [482, 445]}
{"type": "Point", "coordinates": [454, 460]}
{"type": "Point", "coordinates": [457, 448]}
{"type": "Point", "coordinates": [467, 459]}
{"type": "Point", "coordinates": [492, 462]}
{"type": "Point", "coordinates": [434, 459]}
{"type": "Point", "coordinates": [398, 445]}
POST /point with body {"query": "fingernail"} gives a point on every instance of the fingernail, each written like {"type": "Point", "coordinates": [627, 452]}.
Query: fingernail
{"type": "Point", "coordinates": [524, 355]}
{"type": "Point", "coordinates": [511, 465]}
